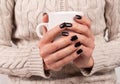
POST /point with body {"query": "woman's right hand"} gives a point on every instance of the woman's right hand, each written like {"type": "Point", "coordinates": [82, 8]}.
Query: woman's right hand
{"type": "Point", "coordinates": [53, 51]}
{"type": "Point", "coordinates": [57, 53]}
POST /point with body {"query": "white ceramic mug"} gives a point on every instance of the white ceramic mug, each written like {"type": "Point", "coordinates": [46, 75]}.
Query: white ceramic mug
{"type": "Point", "coordinates": [56, 18]}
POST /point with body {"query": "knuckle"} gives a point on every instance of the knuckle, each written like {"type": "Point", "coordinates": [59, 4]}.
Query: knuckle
{"type": "Point", "coordinates": [40, 45]}
{"type": "Point", "coordinates": [47, 61]}
{"type": "Point", "coordinates": [43, 50]}
{"type": "Point", "coordinates": [89, 22]}
{"type": "Point", "coordinates": [90, 43]}
{"type": "Point", "coordinates": [91, 51]}
{"type": "Point", "coordinates": [41, 42]}
{"type": "Point", "coordinates": [42, 53]}
{"type": "Point", "coordinates": [93, 45]}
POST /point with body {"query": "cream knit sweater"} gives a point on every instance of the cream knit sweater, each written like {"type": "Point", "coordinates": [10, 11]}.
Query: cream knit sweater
{"type": "Point", "coordinates": [23, 64]}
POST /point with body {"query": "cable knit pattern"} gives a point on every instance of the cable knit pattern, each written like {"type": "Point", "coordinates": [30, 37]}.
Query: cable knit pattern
{"type": "Point", "coordinates": [16, 61]}
{"type": "Point", "coordinates": [22, 62]}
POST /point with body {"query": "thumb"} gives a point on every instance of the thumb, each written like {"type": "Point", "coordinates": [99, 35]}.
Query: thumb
{"type": "Point", "coordinates": [44, 20]}
{"type": "Point", "coordinates": [44, 30]}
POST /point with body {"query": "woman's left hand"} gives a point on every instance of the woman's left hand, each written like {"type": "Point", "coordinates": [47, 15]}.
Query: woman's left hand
{"type": "Point", "coordinates": [82, 29]}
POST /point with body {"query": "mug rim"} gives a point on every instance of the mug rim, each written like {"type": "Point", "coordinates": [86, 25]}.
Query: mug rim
{"type": "Point", "coordinates": [67, 12]}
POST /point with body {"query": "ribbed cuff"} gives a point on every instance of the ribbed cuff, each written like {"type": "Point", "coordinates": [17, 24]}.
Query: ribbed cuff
{"type": "Point", "coordinates": [35, 64]}
{"type": "Point", "coordinates": [99, 65]}
{"type": "Point", "coordinates": [99, 57]}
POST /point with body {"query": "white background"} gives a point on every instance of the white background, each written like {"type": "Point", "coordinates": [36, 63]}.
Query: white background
{"type": "Point", "coordinates": [3, 78]}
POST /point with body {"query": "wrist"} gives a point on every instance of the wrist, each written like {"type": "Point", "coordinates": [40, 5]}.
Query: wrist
{"type": "Point", "coordinates": [90, 63]}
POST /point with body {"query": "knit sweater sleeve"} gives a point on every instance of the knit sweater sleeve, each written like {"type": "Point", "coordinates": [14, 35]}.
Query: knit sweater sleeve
{"type": "Point", "coordinates": [106, 55]}
{"type": "Point", "coordinates": [22, 62]}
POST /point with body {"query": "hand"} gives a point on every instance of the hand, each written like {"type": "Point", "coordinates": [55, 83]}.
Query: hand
{"type": "Point", "coordinates": [81, 28]}
{"type": "Point", "coordinates": [57, 53]}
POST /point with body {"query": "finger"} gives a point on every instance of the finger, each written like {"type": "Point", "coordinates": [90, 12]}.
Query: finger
{"type": "Point", "coordinates": [83, 20]}
{"type": "Point", "coordinates": [86, 41]}
{"type": "Point", "coordinates": [60, 54]}
{"type": "Point", "coordinates": [54, 32]}
{"type": "Point", "coordinates": [66, 60]}
{"type": "Point", "coordinates": [87, 52]}
{"type": "Point", "coordinates": [81, 29]}
{"type": "Point", "coordinates": [57, 45]}
{"type": "Point", "coordinates": [45, 18]}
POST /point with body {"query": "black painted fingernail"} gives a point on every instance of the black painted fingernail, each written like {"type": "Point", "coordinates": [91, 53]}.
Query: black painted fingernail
{"type": "Point", "coordinates": [44, 14]}
{"type": "Point", "coordinates": [79, 51]}
{"type": "Point", "coordinates": [73, 38]}
{"type": "Point", "coordinates": [62, 25]}
{"type": "Point", "coordinates": [68, 24]}
{"type": "Point", "coordinates": [65, 33]}
{"type": "Point", "coordinates": [77, 44]}
{"type": "Point", "coordinates": [78, 17]}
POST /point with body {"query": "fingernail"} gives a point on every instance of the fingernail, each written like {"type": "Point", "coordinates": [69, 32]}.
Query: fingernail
{"type": "Point", "coordinates": [78, 17]}
{"type": "Point", "coordinates": [73, 38]}
{"type": "Point", "coordinates": [65, 33]}
{"type": "Point", "coordinates": [77, 44]}
{"type": "Point", "coordinates": [62, 25]}
{"type": "Point", "coordinates": [79, 51]}
{"type": "Point", "coordinates": [44, 14]}
{"type": "Point", "coordinates": [68, 24]}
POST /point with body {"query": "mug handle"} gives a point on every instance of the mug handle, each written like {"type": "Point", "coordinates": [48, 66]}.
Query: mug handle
{"type": "Point", "coordinates": [39, 29]}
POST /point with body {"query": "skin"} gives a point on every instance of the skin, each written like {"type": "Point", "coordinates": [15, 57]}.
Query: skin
{"type": "Point", "coordinates": [54, 52]}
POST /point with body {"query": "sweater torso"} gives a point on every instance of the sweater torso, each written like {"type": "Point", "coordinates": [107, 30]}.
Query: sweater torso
{"type": "Point", "coordinates": [28, 14]}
